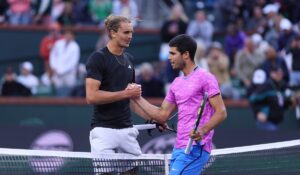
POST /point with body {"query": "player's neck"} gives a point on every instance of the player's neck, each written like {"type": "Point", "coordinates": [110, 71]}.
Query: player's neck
{"type": "Point", "coordinates": [114, 48]}
{"type": "Point", "coordinates": [189, 68]}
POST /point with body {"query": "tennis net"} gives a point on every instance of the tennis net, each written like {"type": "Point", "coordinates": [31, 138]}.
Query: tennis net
{"type": "Point", "coordinates": [272, 159]}
{"type": "Point", "coordinates": [264, 159]}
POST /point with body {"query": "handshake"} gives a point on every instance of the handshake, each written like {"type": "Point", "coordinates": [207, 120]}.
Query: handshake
{"type": "Point", "coordinates": [133, 90]}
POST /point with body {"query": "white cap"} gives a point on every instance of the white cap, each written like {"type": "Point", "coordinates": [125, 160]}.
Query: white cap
{"type": "Point", "coordinates": [256, 38]}
{"type": "Point", "coordinates": [259, 76]}
{"type": "Point", "coordinates": [27, 65]}
{"type": "Point", "coordinates": [285, 24]}
{"type": "Point", "coordinates": [271, 8]}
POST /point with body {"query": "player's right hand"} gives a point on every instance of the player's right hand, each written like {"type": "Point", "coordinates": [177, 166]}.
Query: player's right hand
{"type": "Point", "coordinates": [134, 90]}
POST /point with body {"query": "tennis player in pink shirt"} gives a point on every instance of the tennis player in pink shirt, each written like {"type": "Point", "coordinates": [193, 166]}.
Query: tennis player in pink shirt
{"type": "Point", "coordinates": [186, 94]}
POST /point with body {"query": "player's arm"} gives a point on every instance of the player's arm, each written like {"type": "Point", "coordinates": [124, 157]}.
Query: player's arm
{"type": "Point", "coordinates": [159, 114]}
{"type": "Point", "coordinates": [96, 96]}
{"type": "Point", "coordinates": [220, 114]}
{"type": "Point", "coordinates": [138, 110]}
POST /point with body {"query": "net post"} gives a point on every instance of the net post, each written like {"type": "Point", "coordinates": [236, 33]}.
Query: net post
{"type": "Point", "coordinates": [166, 157]}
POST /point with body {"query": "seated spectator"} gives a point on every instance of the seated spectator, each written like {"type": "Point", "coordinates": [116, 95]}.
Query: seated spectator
{"type": "Point", "coordinates": [3, 8]}
{"type": "Point", "coordinates": [234, 41]}
{"type": "Point", "coordinates": [176, 24]}
{"type": "Point", "coordinates": [201, 29]}
{"type": "Point", "coordinates": [274, 62]}
{"type": "Point", "coordinates": [10, 86]}
{"type": "Point", "coordinates": [267, 100]}
{"type": "Point", "coordinates": [81, 12]}
{"type": "Point", "coordinates": [246, 61]}
{"type": "Point", "coordinates": [200, 59]}
{"type": "Point", "coordinates": [57, 9]}
{"type": "Point", "coordinates": [286, 34]}
{"type": "Point", "coordinates": [151, 85]}
{"type": "Point", "coordinates": [126, 8]}
{"type": "Point", "coordinates": [257, 23]}
{"type": "Point", "coordinates": [295, 68]}
{"type": "Point", "coordinates": [99, 10]}
{"type": "Point", "coordinates": [218, 63]}
{"type": "Point", "coordinates": [67, 18]}
{"type": "Point", "coordinates": [267, 94]}
{"type": "Point", "coordinates": [259, 43]}
{"type": "Point", "coordinates": [42, 10]}
{"type": "Point", "coordinates": [26, 77]}
{"type": "Point", "coordinates": [19, 12]}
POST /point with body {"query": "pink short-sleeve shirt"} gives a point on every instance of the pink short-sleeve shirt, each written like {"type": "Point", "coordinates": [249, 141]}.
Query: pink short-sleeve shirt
{"type": "Point", "coordinates": [187, 93]}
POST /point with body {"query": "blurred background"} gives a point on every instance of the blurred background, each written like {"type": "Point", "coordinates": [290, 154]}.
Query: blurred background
{"type": "Point", "coordinates": [236, 39]}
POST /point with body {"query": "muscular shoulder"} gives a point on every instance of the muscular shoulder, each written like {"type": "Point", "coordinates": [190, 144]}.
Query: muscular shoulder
{"type": "Point", "coordinates": [97, 57]}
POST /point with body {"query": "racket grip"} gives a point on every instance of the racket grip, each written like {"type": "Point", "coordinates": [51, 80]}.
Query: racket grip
{"type": "Point", "coordinates": [189, 146]}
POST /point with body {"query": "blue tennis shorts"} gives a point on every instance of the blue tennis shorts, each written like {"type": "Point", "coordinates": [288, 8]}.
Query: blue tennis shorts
{"type": "Point", "coordinates": [188, 164]}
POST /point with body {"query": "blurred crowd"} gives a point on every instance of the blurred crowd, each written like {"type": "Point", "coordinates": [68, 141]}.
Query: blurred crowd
{"type": "Point", "coordinates": [252, 47]}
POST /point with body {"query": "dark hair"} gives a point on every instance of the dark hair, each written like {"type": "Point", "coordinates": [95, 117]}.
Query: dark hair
{"type": "Point", "coordinates": [184, 43]}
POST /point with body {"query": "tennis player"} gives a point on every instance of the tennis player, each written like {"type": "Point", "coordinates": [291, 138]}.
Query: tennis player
{"type": "Point", "coordinates": [186, 94]}
{"type": "Point", "coordinates": [109, 72]}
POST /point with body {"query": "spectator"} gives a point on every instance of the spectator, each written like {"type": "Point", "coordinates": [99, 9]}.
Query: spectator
{"type": "Point", "coordinates": [275, 67]}
{"type": "Point", "coordinates": [271, 11]}
{"type": "Point", "coordinates": [3, 8]}
{"type": "Point", "coordinates": [267, 101]}
{"type": "Point", "coordinates": [127, 8]}
{"type": "Point", "coordinates": [47, 44]}
{"type": "Point", "coordinates": [57, 9]}
{"type": "Point", "coordinates": [79, 89]}
{"type": "Point", "coordinates": [175, 25]}
{"type": "Point", "coordinates": [201, 29]}
{"type": "Point", "coordinates": [218, 63]}
{"type": "Point", "coordinates": [64, 59]}
{"type": "Point", "coordinates": [19, 12]}
{"type": "Point", "coordinates": [260, 44]}
{"type": "Point", "coordinates": [246, 61]}
{"type": "Point", "coordinates": [67, 17]}
{"type": "Point", "coordinates": [200, 59]}
{"type": "Point", "coordinates": [258, 22]}
{"type": "Point", "coordinates": [272, 34]}
{"type": "Point", "coordinates": [99, 10]}
{"type": "Point", "coordinates": [286, 34]}
{"type": "Point", "coordinates": [81, 12]}
{"type": "Point", "coordinates": [10, 86]}
{"type": "Point", "coordinates": [27, 78]}
{"type": "Point", "coordinates": [151, 85]}
{"type": "Point", "coordinates": [295, 68]}
{"type": "Point", "coordinates": [234, 41]}
{"type": "Point", "coordinates": [42, 10]}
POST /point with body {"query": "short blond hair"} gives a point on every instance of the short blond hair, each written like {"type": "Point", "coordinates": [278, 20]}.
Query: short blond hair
{"type": "Point", "coordinates": [112, 22]}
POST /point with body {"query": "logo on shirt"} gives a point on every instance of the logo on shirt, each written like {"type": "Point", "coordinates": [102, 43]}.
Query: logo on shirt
{"type": "Point", "coordinates": [129, 67]}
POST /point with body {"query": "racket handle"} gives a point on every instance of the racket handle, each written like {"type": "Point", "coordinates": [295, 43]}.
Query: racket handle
{"type": "Point", "coordinates": [298, 112]}
{"type": "Point", "coordinates": [189, 146]}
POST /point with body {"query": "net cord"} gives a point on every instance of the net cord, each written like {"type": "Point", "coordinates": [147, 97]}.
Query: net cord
{"type": "Point", "coordinates": [66, 154]}
{"type": "Point", "coordinates": [259, 147]}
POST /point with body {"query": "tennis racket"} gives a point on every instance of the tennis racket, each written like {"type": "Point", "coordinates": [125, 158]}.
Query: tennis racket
{"type": "Point", "coordinates": [200, 111]}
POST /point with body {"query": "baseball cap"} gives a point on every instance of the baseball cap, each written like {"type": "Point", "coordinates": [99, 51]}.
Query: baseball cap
{"type": "Point", "coordinates": [271, 8]}
{"type": "Point", "coordinates": [259, 77]}
{"type": "Point", "coordinates": [27, 65]}
{"type": "Point", "coordinates": [285, 24]}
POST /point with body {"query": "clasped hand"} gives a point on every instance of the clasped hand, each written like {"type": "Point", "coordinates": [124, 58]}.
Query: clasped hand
{"type": "Point", "coordinates": [134, 90]}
